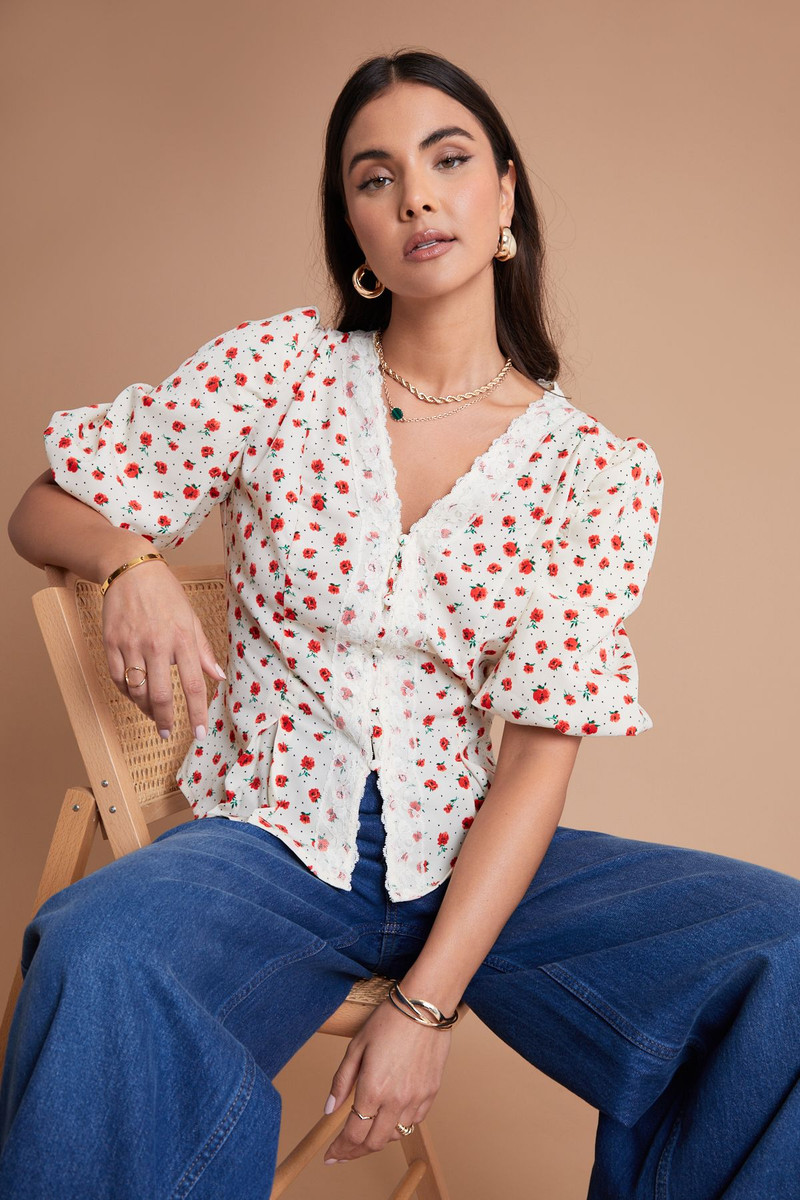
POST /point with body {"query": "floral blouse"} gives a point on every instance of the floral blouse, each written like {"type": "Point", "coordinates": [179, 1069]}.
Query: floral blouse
{"type": "Point", "coordinates": [355, 646]}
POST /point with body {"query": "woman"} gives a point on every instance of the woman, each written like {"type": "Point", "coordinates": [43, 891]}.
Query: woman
{"type": "Point", "coordinates": [391, 590]}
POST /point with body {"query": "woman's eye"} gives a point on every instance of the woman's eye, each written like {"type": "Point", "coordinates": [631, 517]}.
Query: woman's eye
{"type": "Point", "coordinates": [452, 158]}
{"type": "Point", "coordinates": [372, 179]}
{"type": "Point", "coordinates": [448, 160]}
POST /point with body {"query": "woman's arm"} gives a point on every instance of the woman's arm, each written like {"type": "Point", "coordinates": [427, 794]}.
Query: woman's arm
{"type": "Point", "coordinates": [50, 526]}
{"type": "Point", "coordinates": [399, 1063]}
{"type": "Point", "coordinates": [144, 471]}
{"type": "Point", "coordinates": [147, 619]}
{"type": "Point", "coordinates": [498, 859]}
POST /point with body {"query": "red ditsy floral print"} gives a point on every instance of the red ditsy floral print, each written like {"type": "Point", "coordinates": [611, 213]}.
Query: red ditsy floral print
{"type": "Point", "coordinates": [354, 645]}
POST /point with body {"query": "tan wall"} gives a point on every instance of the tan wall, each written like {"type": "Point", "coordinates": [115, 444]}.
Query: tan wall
{"type": "Point", "coordinates": [165, 160]}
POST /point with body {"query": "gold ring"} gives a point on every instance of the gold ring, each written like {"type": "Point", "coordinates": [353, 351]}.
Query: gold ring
{"type": "Point", "coordinates": [141, 682]}
{"type": "Point", "coordinates": [404, 1129]}
{"type": "Point", "coordinates": [358, 1114]}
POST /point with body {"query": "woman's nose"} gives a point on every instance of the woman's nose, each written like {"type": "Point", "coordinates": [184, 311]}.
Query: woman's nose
{"type": "Point", "coordinates": [417, 196]}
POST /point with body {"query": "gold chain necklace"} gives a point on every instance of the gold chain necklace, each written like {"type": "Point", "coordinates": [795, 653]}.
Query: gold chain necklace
{"type": "Point", "coordinates": [397, 413]}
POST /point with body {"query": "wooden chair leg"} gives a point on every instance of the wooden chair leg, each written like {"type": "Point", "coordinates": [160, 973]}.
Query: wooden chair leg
{"type": "Point", "coordinates": [418, 1146]}
{"type": "Point", "coordinates": [72, 842]}
{"type": "Point", "coordinates": [8, 1015]}
{"type": "Point", "coordinates": [318, 1136]}
{"type": "Point", "coordinates": [409, 1185]}
{"type": "Point", "coordinates": [66, 862]}
{"type": "Point", "coordinates": [423, 1177]}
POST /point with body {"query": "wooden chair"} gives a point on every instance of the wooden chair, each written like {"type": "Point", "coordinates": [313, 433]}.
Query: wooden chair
{"type": "Point", "coordinates": [131, 784]}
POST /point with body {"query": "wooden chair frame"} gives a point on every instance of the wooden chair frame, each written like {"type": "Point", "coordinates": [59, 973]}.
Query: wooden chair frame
{"type": "Point", "coordinates": [122, 802]}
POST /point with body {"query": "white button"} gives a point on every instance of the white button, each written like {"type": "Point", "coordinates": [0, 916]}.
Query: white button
{"type": "Point", "coordinates": [373, 766]}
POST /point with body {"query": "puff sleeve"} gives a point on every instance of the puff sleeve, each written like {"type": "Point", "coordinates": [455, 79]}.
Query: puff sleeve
{"type": "Point", "coordinates": [568, 664]}
{"type": "Point", "coordinates": [155, 460]}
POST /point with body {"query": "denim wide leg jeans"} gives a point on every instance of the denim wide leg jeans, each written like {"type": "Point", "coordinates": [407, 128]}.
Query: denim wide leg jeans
{"type": "Point", "coordinates": [164, 992]}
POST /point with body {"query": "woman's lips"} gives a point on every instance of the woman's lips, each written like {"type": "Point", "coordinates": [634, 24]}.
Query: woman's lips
{"type": "Point", "coordinates": [420, 253]}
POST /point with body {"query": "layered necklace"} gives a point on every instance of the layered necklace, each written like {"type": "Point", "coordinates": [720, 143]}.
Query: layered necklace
{"type": "Point", "coordinates": [397, 413]}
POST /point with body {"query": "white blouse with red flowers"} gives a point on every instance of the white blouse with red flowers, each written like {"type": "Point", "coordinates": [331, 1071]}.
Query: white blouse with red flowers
{"type": "Point", "coordinates": [354, 646]}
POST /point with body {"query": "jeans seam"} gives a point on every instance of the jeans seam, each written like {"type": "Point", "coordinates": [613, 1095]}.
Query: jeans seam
{"type": "Point", "coordinates": [353, 936]}
{"type": "Point", "coordinates": [665, 1159]}
{"type": "Point", "coordinates": [219, 1134]}
{"type": "Point", "coordinates": [244, 991]}
{"type": "Point", "coordinates": [622, 1025]}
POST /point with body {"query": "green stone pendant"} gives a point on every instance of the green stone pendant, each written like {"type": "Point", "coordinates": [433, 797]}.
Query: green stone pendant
{"type": "Point", "coordinates": [397, 413]}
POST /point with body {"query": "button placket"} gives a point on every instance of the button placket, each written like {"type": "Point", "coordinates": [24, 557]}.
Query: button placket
{"type": "Point", "coordinates": [378, 650]}
{"type": "Point", "coordinates": [378, 657]}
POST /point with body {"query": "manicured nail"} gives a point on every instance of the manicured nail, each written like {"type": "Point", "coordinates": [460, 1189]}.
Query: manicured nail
{"type": "Point", "coordinates": [220, 671]}
{"type": "Point", "coordinates": [165, 733]}
{"type": "Point", "coordinates": [328, 1161]}
{"type": "Point", "coordinates": [200, 732]}
{"type": "Point", "coordinates": [330, 1104]}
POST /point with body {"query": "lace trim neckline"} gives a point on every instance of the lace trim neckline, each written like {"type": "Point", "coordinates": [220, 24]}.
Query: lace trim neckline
{"type": "Point", "coordinates": [377, 409]}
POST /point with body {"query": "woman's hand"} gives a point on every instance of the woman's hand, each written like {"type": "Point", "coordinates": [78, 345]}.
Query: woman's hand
{"type": "Point", "coordinates": [398, 1065]}
{"type": "Point", "coordinates": [148, 622]}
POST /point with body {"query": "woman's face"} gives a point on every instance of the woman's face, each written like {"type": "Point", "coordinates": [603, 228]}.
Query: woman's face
{"type": "Point", "coordinates": [404, 186]}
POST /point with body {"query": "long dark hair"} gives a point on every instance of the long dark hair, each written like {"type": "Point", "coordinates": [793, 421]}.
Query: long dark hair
{"type": "Point", "coordinates": [520, 304]}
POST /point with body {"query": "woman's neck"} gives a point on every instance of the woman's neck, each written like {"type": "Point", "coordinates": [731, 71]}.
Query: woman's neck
{"type": "Point", "coordinates": [443, 345]}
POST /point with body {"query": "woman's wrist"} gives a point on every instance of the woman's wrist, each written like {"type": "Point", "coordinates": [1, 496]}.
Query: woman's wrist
{"type": "Point", "coordinates": [439, 997]}
{"type": "Point", "coordinates": [114, 552]}
{"type": "Point", "coordinates": [138, 561]}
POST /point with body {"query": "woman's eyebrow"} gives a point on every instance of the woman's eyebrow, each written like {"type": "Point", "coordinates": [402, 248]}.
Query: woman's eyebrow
{"type": "Point", "coordinates": [438, 135]}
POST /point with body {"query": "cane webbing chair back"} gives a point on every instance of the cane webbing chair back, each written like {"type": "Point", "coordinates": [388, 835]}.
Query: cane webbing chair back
{"type": "Point", "coordinates": [131, 784]}
{"type": "Point", "coordinates": [152, 761]}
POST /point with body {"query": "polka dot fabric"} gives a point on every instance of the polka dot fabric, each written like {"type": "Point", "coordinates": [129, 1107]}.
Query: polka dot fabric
{"type": "Point", "coordinates": [353, 645]}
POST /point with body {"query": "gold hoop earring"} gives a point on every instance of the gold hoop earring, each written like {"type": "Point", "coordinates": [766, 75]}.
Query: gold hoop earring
{"type": "Point", "coordinates": [506, 244]}
{"type": "Point", "coordinates": [358, 275]}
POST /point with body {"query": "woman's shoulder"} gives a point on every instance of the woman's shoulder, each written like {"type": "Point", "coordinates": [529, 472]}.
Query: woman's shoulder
{"type": "Point", "coordinates": [311, 315]}
{"type": "Point", "coordinates": [599, 447]}
{"type": "Point", "coordinates": [306, 323]}
{"type": "Point", "coordinates": [304, 319]}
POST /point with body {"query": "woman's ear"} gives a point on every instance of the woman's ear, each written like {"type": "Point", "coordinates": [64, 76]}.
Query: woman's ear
{"type": "Point", "coordinates": [507, 188]}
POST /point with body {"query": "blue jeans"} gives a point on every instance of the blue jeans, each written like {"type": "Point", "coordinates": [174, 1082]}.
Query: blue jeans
{"type": "Point", "coordinates": [163, 993]}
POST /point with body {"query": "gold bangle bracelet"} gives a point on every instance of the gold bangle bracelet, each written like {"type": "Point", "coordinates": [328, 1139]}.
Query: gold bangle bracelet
{"type": "Point", "coordinates": [126, 567]}
{"type": "Point", "coordinates": [440, 1020]}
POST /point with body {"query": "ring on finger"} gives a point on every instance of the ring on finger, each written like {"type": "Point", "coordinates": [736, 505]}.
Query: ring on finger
{"type": "Point", "coordinates": [141, 682]}
{"type": "Point", "coordinates": [404, 1129]}
{"type": "Point", "coordinates": [361, 1115]}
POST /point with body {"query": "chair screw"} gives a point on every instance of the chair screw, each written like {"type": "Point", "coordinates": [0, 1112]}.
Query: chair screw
{"type": "Point", "coordinates": [113, 808]}
{"type": "Point", "coordinates": [103, 783]}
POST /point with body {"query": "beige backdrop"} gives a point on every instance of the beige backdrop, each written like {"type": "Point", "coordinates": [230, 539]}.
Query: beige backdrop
{"type": "Point", "coordinates": [165, 164]}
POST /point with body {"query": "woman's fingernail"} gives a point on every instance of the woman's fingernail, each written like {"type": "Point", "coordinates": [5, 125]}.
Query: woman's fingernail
{"type": "Point", "coordinates": [328, 1161]}
{"type": "Point", "coordinates": [330, 1104]}
{"type": "Point", "coordinates": [165, 733]}
{"type": "Point", "coordinates": [200, 732]}
{"type": "Point", "coordinates": [220, 671]}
